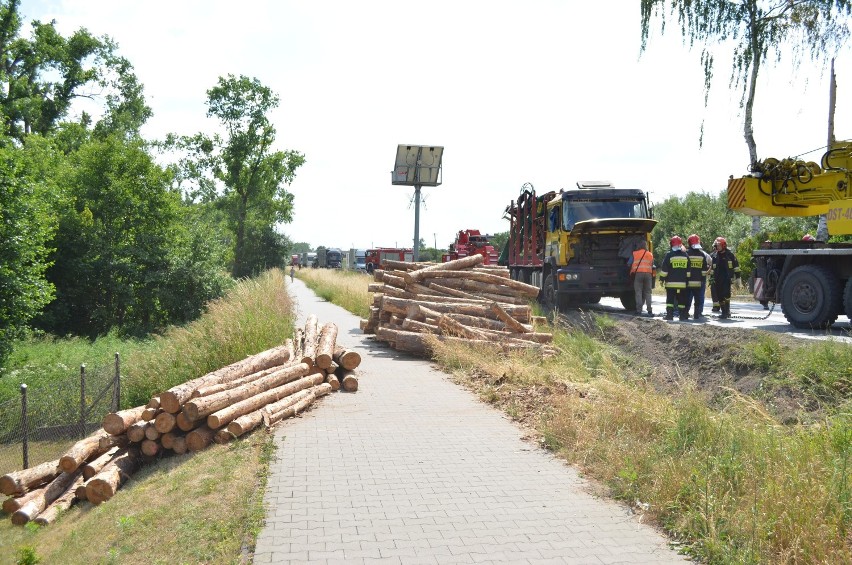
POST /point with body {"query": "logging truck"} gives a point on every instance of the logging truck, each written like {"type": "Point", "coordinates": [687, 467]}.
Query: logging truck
{"type": "Point", "coordinates": [812, 280]}
{"type": "Point", "coordinates": [574, 245]}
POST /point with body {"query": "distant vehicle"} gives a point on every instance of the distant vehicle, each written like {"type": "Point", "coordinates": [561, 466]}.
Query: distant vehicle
{"type": "Point", "coordinates": [358, 260]}
{"type": "Point", "coordinates": [375, 258]}
{"type": "Point", "coordinates": [295, 259]}
{"type": "Point", "coordinates": [309, 259]}
{"type": "Point", "coordinates": [333, 258]}
{"type": "Point", "coordinates": [471, 242]}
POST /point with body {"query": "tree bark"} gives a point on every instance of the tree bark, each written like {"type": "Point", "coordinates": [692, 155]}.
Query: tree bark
{"type": "Point", "coordinates": [346, 358]}
{"type": "Point", "coordinates": [116, 423]}
{"type": "Point", "coordinates": [19, 482]}
{"type": "Point", "coordinates": [184, 424]}
{"type": "Point", "coordinates": [199, 438]}
{"type": "Point", "coordinates": [507, 318]}
{"type": "Point", "coordinates": [149, 414]}
{"type": "Point", "coordinates": [215, 389]}
{"type": "Point", "coordinates": [104, 485]}
{"type": "Point", "coordinates": [64, 502]}
{"type": "Point", "coordinates": [310, 352]}
{"type": "Point", "coordinates": [46, 496]}
{"type": "Point", "coordinates": [173, 399]}
{"type": "Point", "coordinates": [167, 440]}
{"type": "Point", "coordinates": [325, 345]}
{"type": "Point", "coordinates": [92, 468]}
{"type": "Point", "coordinates": [456, 264]}
{"type": "Point", "coordinates": [333, 381]}
{"type": "Point", "coordinates": [198, 408]}
{"type": "Point", "coordinates": [519, 287]}
{"type": "Point", "coordinates": [245, 423]}
{"type": "Point", "coordinates": [154, 402]}
{"type": "Point", "coordinates": [270, 418]}
{"type": "Point", "coordinates": [220, 418]}
{"type": "Point", "coordinates": [108, 442]}
{"type": "Point", "coordinates": [136, 432]}
{"type": "Point", "coordinates": [81, 451]}
{"type": "Point", "coordinates": [400, 306]}
{"type": "Point", "coordinates": [180, 445]}
{"type": "Point", "coordinates": [348, 380]}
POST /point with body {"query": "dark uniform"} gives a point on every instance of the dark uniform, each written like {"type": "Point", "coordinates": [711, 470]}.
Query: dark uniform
{"type": "Point", "coordinates": [725, 269]}
{"type": "Point", "coordinates": [699, 266]}
{"type": "Point", "coordinates": [674, 274]}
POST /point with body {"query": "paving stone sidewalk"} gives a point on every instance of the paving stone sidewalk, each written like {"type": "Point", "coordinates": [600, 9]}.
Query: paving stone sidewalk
{"type": "Point", "coordinates": [414, 469]}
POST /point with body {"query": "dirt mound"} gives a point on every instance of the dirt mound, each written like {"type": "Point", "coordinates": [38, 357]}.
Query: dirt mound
{"type": "Point", "coordinates": [678, 356]}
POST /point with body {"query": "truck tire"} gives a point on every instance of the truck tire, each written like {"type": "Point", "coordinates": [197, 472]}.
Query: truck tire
{"type": "Point", "coordinates": [811, 297]}
{"type": "Point", "coordinates": [548, 293]}
{"type": "Point", "coordinates": [847, 299]}
{"type": "Point", "coordinates": [628, 300]}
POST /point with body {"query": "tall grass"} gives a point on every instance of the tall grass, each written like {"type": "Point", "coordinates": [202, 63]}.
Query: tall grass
{"type": "Point", "coordinates": [347, 289]}
{"type": "Point", "coordinates": [254, 316]}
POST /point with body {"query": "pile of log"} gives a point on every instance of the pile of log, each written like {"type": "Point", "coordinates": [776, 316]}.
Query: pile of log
{"type": "Point", "coordinates": [460, 300]}
{"type": "Point", "coordinates": [259, 391]}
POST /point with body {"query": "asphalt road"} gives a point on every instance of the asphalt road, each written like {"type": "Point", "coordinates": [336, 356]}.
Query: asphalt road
{"type": "Point", "coordinates": [750, 315]}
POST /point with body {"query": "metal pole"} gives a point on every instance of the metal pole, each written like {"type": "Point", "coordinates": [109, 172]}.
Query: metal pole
{"type": "Point", "coordinates": [116, 389]}
{"type": "Point", "coordinates": [83, 400]}
{"type": "Point", "coordinates": [25, 431]}
{"type": "Point", "coordinates": [416, 223]}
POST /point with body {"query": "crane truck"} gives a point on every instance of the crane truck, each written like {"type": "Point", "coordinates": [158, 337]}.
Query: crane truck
{"type": "Point", "coordinates": [471, 242]}
{"type": "Point", "coordinates": [811, 280]}
{"type": "Point", "coordinates": [575, 244]}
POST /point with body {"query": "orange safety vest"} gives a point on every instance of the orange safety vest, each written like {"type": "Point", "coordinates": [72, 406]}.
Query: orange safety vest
{"type": "Point", "coordinates": [643, 261]}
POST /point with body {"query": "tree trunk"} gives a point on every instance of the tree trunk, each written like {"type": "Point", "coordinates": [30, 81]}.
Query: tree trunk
{"type": "Point", "coordinates": [173, 399]}
{"type": "Point", "coordinates": [199, 438]}
{"type": "Point", "coordinates": [400, 306]}
{"type": "Point", "coordinates": [165, 422]}
{"type": "Point", "coordinates": [154, 402]}
{"type": "Point", "coordinates": [348, 380]}
{"type": "Point", "coordinates": [325, 345]}
{"type": "Point", "coordinates": [456, 264]}
{"type": "Point", "coordinates": [283, 404]}
{"type": "Point", "coordinates": [299, 344]}
{"type": "Point", "coordinates": [104, 485]}
{"type": "Point", "coordinates": [64, 502]}
{"type": "Point", "coordinates": [108, 442]}
{"type": "Point", "coordinates": [505, 317]}
{"type": "Point", "coordinates": [198, 408]}
{"type": "Point", "coordinates": [245, 423]}
{"type": "Point", "coordinates": [150, 447]}
{"type": "Point", "coordinates": [309, 353]}
{"type": "Point", "coordinates": [149, 414]}
{"type": "Point", "coordinates": [333, 381]}
{"type": "Point", "coordinates": [346, 358]}
{"type": "Point", "coordinates": [180, 445]}
{"type": "Point", "coordinates": [167, 440]}
{"type": "Point", "coordinates": [46, 496]}
{"type": "Point", "coordinates": [270, 418]}
{"type": "Point", "coordinates": [517, 286]}
{"type": "Point", "coordinates": [93, 467]}
{"type": "Point", "coordinates": [136, 432]}
{"type": "Point", "coordinates": [215, 389]}
{"type": "Point", "coordinates": [19, 482]}
{"type": "Point", "coordinates": [151, 433]}
{"type": "Point", "coordinates": [252, 403]}
{"type": "Point", "coordinates": [184, 424]}
{"type": "Point", "coordinates": [81, 451]}
{"type": "Point", "coordinates": [116, 423]}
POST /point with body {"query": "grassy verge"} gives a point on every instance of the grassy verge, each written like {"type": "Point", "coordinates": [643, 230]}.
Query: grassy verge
{"type": "Point", "coordinates": [347, 289]}
{"type": "Point", "coordinates": [199, 508]}
{"type": "Point", "coordinates": [731, 485]}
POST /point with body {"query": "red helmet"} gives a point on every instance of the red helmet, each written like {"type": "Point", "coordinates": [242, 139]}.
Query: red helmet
{"type": "Point", "coordinates": [675, 241]}
{"type": "Point", "coordinates": [721, 243]}
{"type": "Point", "coordinates": [808, 237]}
{"type": "Point", "coordinates": [693, 240]}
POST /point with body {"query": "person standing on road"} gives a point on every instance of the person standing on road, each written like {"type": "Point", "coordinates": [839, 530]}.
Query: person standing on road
{"type": "Point", "coordinates": [641, 268]}
{"type": "Point", "coordinates": [673, 276]}
{"type": "Point", "coordinates": [292, 272]}
{"type": "Point", "coordinates": [699, 267]}
{"type": "Point", "coordinates": [725, 269]}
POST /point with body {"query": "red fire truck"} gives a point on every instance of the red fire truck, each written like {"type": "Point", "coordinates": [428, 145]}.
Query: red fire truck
{"type": "Point", "coordinates": [471, 242]}
{"type": "Point", "coordinates": [375, 258]}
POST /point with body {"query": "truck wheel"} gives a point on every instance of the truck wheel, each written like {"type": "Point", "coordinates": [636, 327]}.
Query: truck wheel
{"type": "Point", "coordinates": [628, 300]}
{"type": "Point", "coordinates": [847, 299]}
{"type": "Point", "coordinates": [548, 293]}
{"type": "Point", "coordinates": [810, 297]}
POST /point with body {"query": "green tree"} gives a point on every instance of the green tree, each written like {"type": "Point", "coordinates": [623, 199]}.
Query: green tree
{"type": "Point", "coordinates": [300, 247]}
{"type": "Point", "coordinates": [26, 226]}
{"type": "Point", "coordinates": [758, 29]}
{"type": "Point", "coordinates": [498, 240]}
{"type": "Point", "coordinates": [254, 177]}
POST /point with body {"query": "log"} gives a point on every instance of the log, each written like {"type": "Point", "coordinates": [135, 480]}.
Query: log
{"type": "Point", "coordinates": [478, 322]}
{"type": "Point", "coordinates": [507, 318]}
{"type": "Point", "coordinates": [116, 423]}
{"type": "Point", "coordinates": [220, 418]}
{"type": "Point", "coordinates": [333, 381]}
{"type": "Point", "coordinates": [475, 287]}
{"type": "Point", "coordinates": [150, 447]}
{"type": "Point", "coordinates": [311, 334]}
{"type": "Point", "coordinates": [291, 349]}
{"type": "Point", "coordinates": [245, 423]}
{"type": "Point", "coordinates": [136, 432]}
{"type": "Point", "coordinates": [105, 484]}
{"type": "Point", "coordinates": [454, 265]}
{"type": "Point", "coordinates": [154, 402]}
{"type": "Point", "coordinates": [151, 433]}
{"type": "Point", "coordinates": [517, 286]}
{"type": "Point", "coordinates": [19, 482]}
{"type": "Point", "coordinates": [184, 424]}
{"type": "Point", "coordinates": [222, 436]}
{"type": "Point", "coordinates": [92, 468]}
{"type": "Point", "coordinates": [180, 445]}
{"type": "Point", "coordinates": [81, 451]}
{"type": "Point", "coordinates": [403, 265]}
{"type": "Point", "coordinates": [150, 413]}
{"type": "Point", "coordinates": [173, 399]}
{"type": "Point", "coordinates": [165, 422]}
{"type": "Point", "coordinates": [453, 292]}
{"type": "Point", "coordinates": [270, 418]}
{"type": "Point", "coordinates": [299, 344]}
{"type": "Point", "coordinates": [199, 438]}
{"type": "Point", "coordinates": [167, 440]}
{"type": "Point", "coordinates": [215, 389]}
{"type": "Point", "coordinates": [325, 345]}
{"type": "Point", "coordinates": [283, 404]}
{"type": "Point", "coordinates": [64, 502]}
{"type": "Point", "coordinates": [108, 442]}
{"type": "Point", "coordinates": [45, 497]}
{"type": "Point", "coordinates": [348, 380]}
{"type": "Point", "coordinates": [400, 306]}
{"type": "Point", "coordinates": [455, 328]}
{"type": "Point", "coordinates": [12, 505]}
{"type": "Point", "coordinates": [198, 408]}
{"type": "Point", "coordinates": [411, 325]}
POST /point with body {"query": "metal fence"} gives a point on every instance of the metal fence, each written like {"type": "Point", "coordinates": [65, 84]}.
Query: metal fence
{"type": "Point", "coordinates": [46, 420]}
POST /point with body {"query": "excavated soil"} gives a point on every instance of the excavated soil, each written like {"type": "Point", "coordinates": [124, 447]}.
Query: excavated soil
{"type": "Point", "coordinates": [712, 360]}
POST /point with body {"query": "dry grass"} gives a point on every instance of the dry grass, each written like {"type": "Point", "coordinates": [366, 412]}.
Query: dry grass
{"type": "Point", "coordinates": [347, 289]}
{"type": "Point", "coordinates": [11, 455]}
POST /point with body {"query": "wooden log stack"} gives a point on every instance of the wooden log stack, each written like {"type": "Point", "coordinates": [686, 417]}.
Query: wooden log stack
{"type": "Point", "coordinates": [457, 301]}
{"type": "Point", "coordinates": [258, 391]}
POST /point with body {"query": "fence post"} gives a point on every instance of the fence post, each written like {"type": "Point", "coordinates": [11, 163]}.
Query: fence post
{"type": "Point", "coordinates": [83, 400]}
{"type": "Point", "coordinates": [116, 389]}
{"type": "Point", "coordinates": [25, 431]}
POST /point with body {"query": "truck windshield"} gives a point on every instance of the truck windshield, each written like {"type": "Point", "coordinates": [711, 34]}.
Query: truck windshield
{"type": "Point", "coordinates": [574, 211]}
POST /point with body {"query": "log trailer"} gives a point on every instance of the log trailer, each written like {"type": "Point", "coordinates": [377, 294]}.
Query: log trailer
{"type": "Point", "coordinates": [471, 242]}
{"type": "Point", "coordinates": [811, 280]}
{"type": "Point", "coordinates": [575, 244]}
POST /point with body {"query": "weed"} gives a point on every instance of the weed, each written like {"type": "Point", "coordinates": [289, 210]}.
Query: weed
{"type": "Point", "coordinates": [27, 556]}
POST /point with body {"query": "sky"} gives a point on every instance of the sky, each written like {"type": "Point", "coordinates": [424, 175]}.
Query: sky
{"type": "Point", "coordinates": [548, 92]}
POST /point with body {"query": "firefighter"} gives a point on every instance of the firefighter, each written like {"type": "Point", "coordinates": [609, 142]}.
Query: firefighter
{"type": "Point", "coordinates": [699, 267]}
{"type": "Point", "coordinates": [726, 268]}
{"type": "Point", "coordinates": [674, 275]}
{"type": "Point", "coordinates": [642, 269]}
